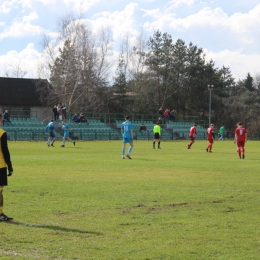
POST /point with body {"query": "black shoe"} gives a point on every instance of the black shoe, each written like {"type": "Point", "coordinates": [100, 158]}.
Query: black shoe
{"type": "Point", "coordinates": [207, 150]}
{"type": "Point", "coordinates": [63, 146]}
{"type": "Point", "coordinates": [243, 156]}
{"type": "Point", "coordinates": [3, 217]}
{"type": "Point", "coordinates": [128, 156]}
{"type": "Point", "coordinates": [52, 145]}
{"type": "Point", "coordinates": [74, 143]}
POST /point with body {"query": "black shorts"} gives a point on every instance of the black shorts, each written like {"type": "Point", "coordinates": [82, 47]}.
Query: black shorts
{"type": "Point", "coordinates": [3, 176]}
{"type": "Point", "coordinates": [156, 136]}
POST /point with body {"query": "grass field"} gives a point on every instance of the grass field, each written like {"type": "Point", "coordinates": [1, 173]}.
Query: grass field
{"type": "Point", "coordinates": [85, 202]}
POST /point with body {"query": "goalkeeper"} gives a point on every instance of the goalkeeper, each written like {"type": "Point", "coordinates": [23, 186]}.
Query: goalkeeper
{"type": "Point", "coordinates": [5, 162]}
{"type": "Point", "coordinates": [157, 135]}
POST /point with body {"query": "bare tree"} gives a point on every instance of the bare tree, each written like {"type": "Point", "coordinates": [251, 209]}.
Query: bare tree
{"type": "Point", "coordinates": [78, 63]}
{"type": "Point", "coordinates": [14, 70]}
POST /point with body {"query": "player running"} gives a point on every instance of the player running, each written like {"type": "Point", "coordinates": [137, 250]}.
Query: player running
{"type": "Point", "coordinates": [240, 137]}
{"type": "Point", "coordinates": [210, 135]}
{"type": "Point", "coordinates": [50, 128]}
{"type": "Point", "coordinates": [66, 129]}
{"type": "Point", "coordinates": [193, 132]}
{"type": "Point", "coordinates": [157, 135]}
{"type": "Point", "coordinates": [128, 136]}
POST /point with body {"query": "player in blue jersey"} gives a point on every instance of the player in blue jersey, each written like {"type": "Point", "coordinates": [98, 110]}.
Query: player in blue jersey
{"type": "Point", "coordinates": [128, 136]}
{"type": "Point", "coordinates": [50, 128]}
{"type": "Point", "coordinates": [66, 129]}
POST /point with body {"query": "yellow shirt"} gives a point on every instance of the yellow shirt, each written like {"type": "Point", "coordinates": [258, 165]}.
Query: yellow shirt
{"type": "Point", "coordinates": [157, 129]}
{"type": "Point", "coordinates": [2, 159]}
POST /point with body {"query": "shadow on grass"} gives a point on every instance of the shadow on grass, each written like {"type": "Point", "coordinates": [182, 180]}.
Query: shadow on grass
{"type": "Point", "coordinates": [52, 227]}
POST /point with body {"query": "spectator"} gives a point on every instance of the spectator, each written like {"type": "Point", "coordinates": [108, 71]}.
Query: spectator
{"type": "Point", "coordinates": [160, 113]}
{"type": "Point", "coordinates": [143, 129]}
{"type": "Point", "coordinates": [167, 115]}
{"type": "Point", "coordinates": [55, 113]}
{"type": "Point", "coordinates": [64, 110]}
{"type": "Point", "coordinates": [59, 111]}
{"type": "Point", "coordinates": [7, 118]}
{"type": "Point", "coordinates": [75, 118]}
{"type": "Point", "coordinates": [83, 119]}
{"type": "Point", "coordinates": [172, 116]}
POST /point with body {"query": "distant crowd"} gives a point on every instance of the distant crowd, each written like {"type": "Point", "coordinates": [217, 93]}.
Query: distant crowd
{"type": "Point", "coordinates": [167, 114]}
{"type": "Point", "coordinates": [60, 113]}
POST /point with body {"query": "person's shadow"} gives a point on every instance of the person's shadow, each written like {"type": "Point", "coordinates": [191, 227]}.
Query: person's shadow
{"type": "Point", "coordinates": [52, 227]}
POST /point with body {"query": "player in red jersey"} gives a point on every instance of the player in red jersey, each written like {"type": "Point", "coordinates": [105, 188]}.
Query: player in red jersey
{"type": "Point", "coordinates": [193, 132]}
{"type": "Point", "coordinates": [210, 135]}
{"type": "Point", "coordinates": [240, 137]}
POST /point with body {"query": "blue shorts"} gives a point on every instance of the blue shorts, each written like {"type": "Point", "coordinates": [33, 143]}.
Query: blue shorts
{"type": "Point", "coordinates": [127, 140]}
{"type": "Point", "coordinates": [52, 134]}
{"type": "Point", "coordinates": [66, 135]}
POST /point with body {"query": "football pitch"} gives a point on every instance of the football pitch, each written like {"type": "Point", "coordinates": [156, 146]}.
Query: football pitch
{"type": "Point", "coordinates": [86, 202]}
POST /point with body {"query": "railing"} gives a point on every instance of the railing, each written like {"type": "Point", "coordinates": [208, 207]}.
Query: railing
{"type": "Point", "coordinates": [108, 135]}
{"type": "Point", "coordinates": [114, 117]}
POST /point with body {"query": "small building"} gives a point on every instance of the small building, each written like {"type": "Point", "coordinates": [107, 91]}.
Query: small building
{"type": "Point", "coordinates": [22, 98]}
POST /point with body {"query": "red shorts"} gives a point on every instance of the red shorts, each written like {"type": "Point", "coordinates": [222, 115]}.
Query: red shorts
{"type": "Point", "coordinates": [240, 143]}
{"type": "Point", "coordinates": [192, 138]}
{"type": "Point", "coordinates": [211, 141]}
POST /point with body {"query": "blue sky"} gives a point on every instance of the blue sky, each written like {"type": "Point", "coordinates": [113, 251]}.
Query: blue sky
{"type": "Point", "coordinates": [227, 30]}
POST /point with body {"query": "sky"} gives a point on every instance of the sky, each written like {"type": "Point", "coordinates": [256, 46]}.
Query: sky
{"type": "Point", "coordinates": [227, 30]}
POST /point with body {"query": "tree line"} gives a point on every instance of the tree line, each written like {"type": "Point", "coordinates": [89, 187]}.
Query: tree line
{"type": "Point", "coordinates": [156, 73]}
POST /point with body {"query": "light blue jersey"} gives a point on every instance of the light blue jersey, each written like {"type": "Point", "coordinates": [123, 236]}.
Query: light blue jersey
{"type": "Point", "coordinates": [126, 128]}
{"type": "Point", "coordinates": [50, 127]}
{"type": "Point", "coordinates": [66, 130]}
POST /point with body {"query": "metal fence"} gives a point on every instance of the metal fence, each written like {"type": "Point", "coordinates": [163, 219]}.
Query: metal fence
{"type": "Point", "coordinates": [108, 135]}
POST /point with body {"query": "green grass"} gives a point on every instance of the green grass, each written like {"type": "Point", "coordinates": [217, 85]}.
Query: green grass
{"type": "Point", "coordinates": [85, 202]}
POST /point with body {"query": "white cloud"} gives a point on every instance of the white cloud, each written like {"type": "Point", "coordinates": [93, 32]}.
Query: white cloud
{"type": "Point", "coordinates": [30, 3]}
{"type": "Point", "coordinates": [5, 7]}
{"type": "Point", "coordinates": [240, 64]}
{"type": "Point", "coordinates": [120, 23]}
{"type": "Point", "coordinates": [81, 6]}
{"type": "Point", "coordinates": [32, 16]}
{"type": "Point", "coordinates": [28, 58]}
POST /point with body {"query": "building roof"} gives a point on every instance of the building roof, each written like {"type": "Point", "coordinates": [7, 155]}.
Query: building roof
{"type": "Point", "coordinates": [21, 91]}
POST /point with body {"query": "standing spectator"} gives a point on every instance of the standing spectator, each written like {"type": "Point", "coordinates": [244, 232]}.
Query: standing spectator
{"type": "Point", "coordinates": [64, 110]}
{"type": "Point", "coordinates": [240, 137]}
{"type": "Point", "coordinates": [5, 164]}
{"type": "Point", "coordinates": [222, 133]}
{"type": "Point", "coordinates": [157, 135]}
{"type": "Point", "coordinates": [75, 118]}
{"type": "Point", "coordinates": [55, 113]}
{"type": "Point", "coordinates": [193, 132]}
{"type": "Point", "coordinates": [83, 119]}
{"type": "Point", "coordinates": [210, 135]}
{"type": "Point", "coordinates": [7, 118]}
{"type": "Point", "coordinates": [172, 116]}
{"type": "Point", "coordinates": [167, 115]}
{"type": "Point", "coordinates": [160, 113]}
{"type": "Point", "coordinates": [143, 129]}
{"type": "Point", "coordinates": [128, 137]}
{"type": "Point", "coordinates": [59, 111]}
{"type": "Point", "coordinates": [228, 134]}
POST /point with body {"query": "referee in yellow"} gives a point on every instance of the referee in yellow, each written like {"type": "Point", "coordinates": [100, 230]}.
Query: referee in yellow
{"type": "Point", "coordinates": [5, 162]}
{"type": "Point", "coordinates": [157, 135]}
